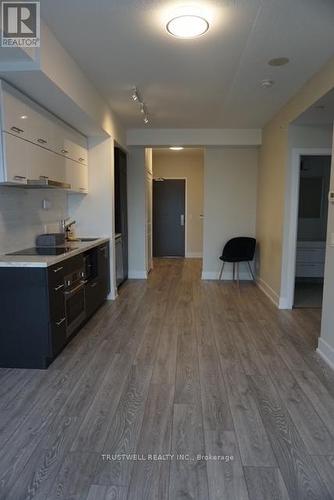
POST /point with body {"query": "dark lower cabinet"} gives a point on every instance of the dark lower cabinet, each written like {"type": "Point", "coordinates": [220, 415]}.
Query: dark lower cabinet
{"type": "Point", "coordinates": [35, 309]}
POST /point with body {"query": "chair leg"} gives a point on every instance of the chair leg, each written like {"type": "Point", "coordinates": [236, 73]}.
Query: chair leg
{"type": "Point", "coordinates": [238, 276]}
{"type": "Point", "coordinates": [233, 271]}
{"type": "Point", "coordinates": [221, 271]}
{"type": "Point", "coordinates": [250, 270]}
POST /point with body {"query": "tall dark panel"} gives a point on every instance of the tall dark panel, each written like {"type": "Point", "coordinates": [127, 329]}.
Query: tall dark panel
{"type": "Point", "coordinates": [121, 204]}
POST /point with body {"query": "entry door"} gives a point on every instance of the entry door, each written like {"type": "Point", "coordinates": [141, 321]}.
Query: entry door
{"type": "Point", "coordinates": [169, 218]}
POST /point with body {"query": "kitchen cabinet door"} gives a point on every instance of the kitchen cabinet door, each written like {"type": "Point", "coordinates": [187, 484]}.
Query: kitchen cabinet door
{"type": "Point", "coordinates": [14, 150]}
{"type": "Point", "coordinates": [27, 121]}
{"type": "Point", "coordinates": [76, 146]}
{"type": "Point", "coordinates": [43, 163]}
{"type": "Point", "coordinates": [24, 160]}
{"type": "Point", "coordinates": [103, 266]}
{"type": "Point", "coordinates": [77, 176]}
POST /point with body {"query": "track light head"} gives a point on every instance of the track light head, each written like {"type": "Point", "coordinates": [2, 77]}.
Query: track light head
{"type": "Point", "coordinates": [134, 94]}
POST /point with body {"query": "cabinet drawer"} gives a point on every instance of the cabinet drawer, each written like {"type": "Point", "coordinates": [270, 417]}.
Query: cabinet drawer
{"type": "Point", "coordinates": [311, 254]}
{"type": "Point", "coordinates": [310, 270]}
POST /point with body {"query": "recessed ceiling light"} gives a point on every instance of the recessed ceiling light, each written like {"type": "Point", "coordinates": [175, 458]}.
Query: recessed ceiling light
{"type": "Point", "coordinates": [23, 117]}
{"type": "Point", "coordinates": [267, 83]}
{"type": "Point", "coordinates": [187, 26]}
{"type": "Point", "coordinates": [176, 148]}
{"type": "Point", "coordinates": [279, 61]}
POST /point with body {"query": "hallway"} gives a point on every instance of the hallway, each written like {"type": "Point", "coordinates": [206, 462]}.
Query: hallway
{"type": "Point", "coordinates": [183, 367]}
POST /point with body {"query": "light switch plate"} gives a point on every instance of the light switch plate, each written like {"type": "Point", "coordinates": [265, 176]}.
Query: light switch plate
{"type": "Point", "coordinates": [46, 204]}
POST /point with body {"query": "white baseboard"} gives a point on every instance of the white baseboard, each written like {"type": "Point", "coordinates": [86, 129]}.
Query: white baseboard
{"type": "Point", "coordinates": [268, 291]}
{"type": "Point", "coordinates": [194, 255]}
{"type": "Point", "coordinates": [228, 276]}
{"type": "Point", "coordinates": [284, 303]}
{"type": "Point", "coordinates": [113, 294]}
{"type": "Point", "coordinates": [137, 275]}
{"type": "Point", "coordinates": [326, 351]}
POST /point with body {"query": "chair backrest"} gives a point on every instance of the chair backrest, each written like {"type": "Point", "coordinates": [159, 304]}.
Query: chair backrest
{"type": "Point", "coordinates": [240, 249]}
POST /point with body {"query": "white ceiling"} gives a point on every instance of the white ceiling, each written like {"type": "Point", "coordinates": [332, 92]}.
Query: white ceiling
{"type": "Point", "coordinates": [209, 82]}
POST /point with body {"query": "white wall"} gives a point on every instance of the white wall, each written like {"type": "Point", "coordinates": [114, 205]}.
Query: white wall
{"type": "Point", "coordinates": [188, 164]}
{"type": "Point", "coordinates": [326, 340]}
{"type": "Point", "coordinates": [22, 217]}
{"type": "Point", "coordinates": [94, 212]}
{"type": "Point", "coordinates": [230, 183]}
{"type": "Point", "coordinates": [137, 212]}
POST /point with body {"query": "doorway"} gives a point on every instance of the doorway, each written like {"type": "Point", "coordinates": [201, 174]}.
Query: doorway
{"type": "Point", "coordinates": [169, 217]}
{"type": "Point", "coordinates": [314, 182]}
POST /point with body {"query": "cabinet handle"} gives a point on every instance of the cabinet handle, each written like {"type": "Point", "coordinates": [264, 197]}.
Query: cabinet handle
{"type": "Point", "coordinates": [59, 287]}
{"type": "Point", "coordinates": [16, 129]}
{"type": "Point", "coordinates": [64, 151]}
{"type": "Point", "coordinates": [18, 177]}
{"type": "Point", "coordinates": [93, 285]}
{"type": "Point", "coordinates": [58, 269]}
{"type": "Point", "coordinates": [81, 159]}
{"type": "Point", "coordinates": [58, 323]}
{"type": "Point", "coordinates": [42, 141]}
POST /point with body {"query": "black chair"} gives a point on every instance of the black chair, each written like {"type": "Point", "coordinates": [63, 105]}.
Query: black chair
{"type": "Point", "coordinates": [238, 250]}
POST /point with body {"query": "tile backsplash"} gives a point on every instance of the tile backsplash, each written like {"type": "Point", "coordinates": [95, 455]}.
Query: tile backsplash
{"type": "Point", "coordinates": [22, 216]}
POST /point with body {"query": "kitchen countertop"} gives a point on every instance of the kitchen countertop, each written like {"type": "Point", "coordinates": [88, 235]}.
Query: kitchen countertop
{"type": "Point", "coordinates": [49, 260]}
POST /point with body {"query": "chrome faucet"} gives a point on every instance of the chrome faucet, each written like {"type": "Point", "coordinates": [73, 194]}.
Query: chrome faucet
{"type": "Point", "coordinates": [66, 227]}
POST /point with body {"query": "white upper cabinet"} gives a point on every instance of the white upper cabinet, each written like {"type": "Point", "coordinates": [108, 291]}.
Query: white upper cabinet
{"type": "Point", "coordinates": [45, 147]}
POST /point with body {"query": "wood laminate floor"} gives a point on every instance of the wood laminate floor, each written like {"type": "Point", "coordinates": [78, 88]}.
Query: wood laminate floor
{"type": "Point", "coordinates": [222, 387]}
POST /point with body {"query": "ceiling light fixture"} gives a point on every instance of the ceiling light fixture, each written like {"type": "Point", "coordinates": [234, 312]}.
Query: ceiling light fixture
{"type": "Point", "coordinates": [187, 26]}
{"type": "Point", "coordinates": [23, 117]}
{"type": "Point", "coordinates": [176, 148]}
{"type": "Point", "coordinates": [135, 96]}
{"type": "Point", "coordinates": [266, 84]}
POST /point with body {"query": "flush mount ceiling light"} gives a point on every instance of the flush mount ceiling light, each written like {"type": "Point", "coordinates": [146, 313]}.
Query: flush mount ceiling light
{"type": "Point", "coordinates": [176, 148]}
{"type": "Point", "coordinates": [279, 61]}
{"type": "Point", "coordinates": [187, 26]}
{"type": "Point", "coordinates": [266, 84]}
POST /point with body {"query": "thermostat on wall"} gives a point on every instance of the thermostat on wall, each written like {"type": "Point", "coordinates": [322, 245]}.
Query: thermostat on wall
{"type": "Point", "coordinates": [331, 196]}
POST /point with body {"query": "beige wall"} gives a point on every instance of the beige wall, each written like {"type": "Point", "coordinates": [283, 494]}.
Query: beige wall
{"type": "Point", "coordinates": [230, 183]}
{"type": "Point", "coordinates": [326, 341]}
{"type": "Point", "coordinates": [273, 167]}
{"type": "Point", "coordinates": [188, 164]}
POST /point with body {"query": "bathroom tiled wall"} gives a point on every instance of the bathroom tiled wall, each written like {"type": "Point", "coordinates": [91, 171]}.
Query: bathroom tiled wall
{"type": "Point", "coordinates": [22, 217]}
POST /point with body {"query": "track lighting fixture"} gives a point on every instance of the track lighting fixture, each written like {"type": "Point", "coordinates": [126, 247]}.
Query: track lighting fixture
{"type": "Point", "coordinates": [135, 96]}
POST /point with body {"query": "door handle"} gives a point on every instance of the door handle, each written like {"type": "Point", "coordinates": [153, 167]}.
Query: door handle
{"type": "Point", "coordinates": [182, 219]}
